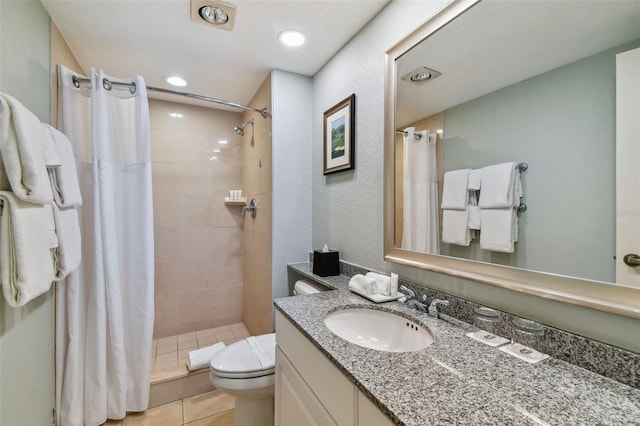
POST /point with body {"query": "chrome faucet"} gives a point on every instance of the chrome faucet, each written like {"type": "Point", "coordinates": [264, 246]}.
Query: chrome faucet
{"type": "Point", "coordinates": [433, 307]}
{"type": "Point", "coordinates": [252, 208]}
{"type": "Point", "coordinates": [409, 297]}
{"type": "Point", "coordinates": [407, 294]}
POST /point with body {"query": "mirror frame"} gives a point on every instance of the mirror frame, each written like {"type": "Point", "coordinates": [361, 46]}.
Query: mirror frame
{"type": "Point", "coordinates": [608, 297]}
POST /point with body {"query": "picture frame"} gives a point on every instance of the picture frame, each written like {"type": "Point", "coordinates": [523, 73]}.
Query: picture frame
{"type": "Point", "coordinates": [339, 136]}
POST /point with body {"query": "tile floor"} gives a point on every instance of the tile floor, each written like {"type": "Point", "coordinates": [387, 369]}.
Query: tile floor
{"type": "Point", "coordinates": [173, 351]}
{"type": "Point", "coordinates": [208, 409]}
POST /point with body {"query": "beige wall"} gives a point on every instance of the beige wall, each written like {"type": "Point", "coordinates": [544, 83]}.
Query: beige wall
{"type": "Point", "coordinates": [257, 235]}
{"type": "Point", "coordinates": [198, 240]}
{"type": "Point", "coordinates": [60, 54]}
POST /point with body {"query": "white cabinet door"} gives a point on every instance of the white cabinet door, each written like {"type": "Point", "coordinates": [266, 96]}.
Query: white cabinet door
{"type": "Point", "coordinates": [295, 402]}
{"type": "Point", "coordinates": [369, 414]}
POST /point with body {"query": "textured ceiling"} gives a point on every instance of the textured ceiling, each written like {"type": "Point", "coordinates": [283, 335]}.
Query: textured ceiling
{"type": "Point", "coordinates": [158, 38]}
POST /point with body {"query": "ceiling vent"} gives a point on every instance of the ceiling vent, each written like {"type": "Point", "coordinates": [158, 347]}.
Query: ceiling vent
{"type": "Point", "coordinates": [213, 13]}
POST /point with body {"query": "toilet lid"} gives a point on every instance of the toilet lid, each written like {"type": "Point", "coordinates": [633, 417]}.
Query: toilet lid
{"type": "Point", "coordinates": [250, 357]}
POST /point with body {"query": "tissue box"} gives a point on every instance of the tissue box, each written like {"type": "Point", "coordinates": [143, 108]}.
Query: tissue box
{"type": "Point", "coordinates": [326, 263]}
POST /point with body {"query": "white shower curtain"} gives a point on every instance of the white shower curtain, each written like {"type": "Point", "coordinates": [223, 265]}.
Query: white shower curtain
{"type": "Point", "coordinates": [421, 230]}
{"type": "Point", "coordinates": [104, 310]}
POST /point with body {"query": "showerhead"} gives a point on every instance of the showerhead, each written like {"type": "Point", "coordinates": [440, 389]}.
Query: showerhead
{"type": "Point", "coordinates": [240, 129]}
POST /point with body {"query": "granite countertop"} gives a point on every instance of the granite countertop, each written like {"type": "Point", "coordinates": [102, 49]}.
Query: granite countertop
{"type": "Point", "coordinates": [457, 379]}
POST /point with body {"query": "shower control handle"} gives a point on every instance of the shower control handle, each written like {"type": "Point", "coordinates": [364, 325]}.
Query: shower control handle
{"type": "Point", "coordinates": [251, 208]}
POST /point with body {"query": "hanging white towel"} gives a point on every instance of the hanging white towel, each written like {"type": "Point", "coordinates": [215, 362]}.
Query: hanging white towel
{"type": "Point", "coordinates": [501, 186]}
{"type": "Point", "coordinates": [21, 147]}
{"type": "Point", "coordinates": [64, 179]}
{"type": "Point", "coordinates": [51, 226]}
{"type": "Point", "coordinates": [26, 262]}
{"type": "Point", "coordinates": [68, 255]}
{"type": "Point", "coordinates": [474, 217]}
{"type": "Point", "coordinates": [51, 158]}
{"type": "Point", "coordinates": [499, 229]}
{"type": "Point", "coordinates": [454, 227]}
{"type": "Point", "coordinates": [200, 358]}
{"type": "Point", "coordinates": [455, 195]}
{"type": "Point", "coordinates": [475, 180]}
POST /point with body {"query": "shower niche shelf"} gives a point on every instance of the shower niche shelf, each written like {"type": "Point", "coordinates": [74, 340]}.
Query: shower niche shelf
{"type": "Point", "coordinates": [228, 201]}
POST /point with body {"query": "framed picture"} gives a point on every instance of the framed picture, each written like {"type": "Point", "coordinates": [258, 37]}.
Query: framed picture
{"type": "Point", "coordinates": [339, 136]}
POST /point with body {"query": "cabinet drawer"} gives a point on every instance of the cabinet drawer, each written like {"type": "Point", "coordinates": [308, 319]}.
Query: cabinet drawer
{"type": "Point", "coordinates": [336, 393]}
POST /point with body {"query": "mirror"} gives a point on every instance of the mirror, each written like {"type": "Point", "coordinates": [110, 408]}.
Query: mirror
{"type": "Point", "coordinates": [525, 81]}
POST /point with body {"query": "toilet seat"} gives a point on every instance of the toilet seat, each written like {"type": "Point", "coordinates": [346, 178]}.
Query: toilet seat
{"type": "Point", "coordinates": [246, 358]}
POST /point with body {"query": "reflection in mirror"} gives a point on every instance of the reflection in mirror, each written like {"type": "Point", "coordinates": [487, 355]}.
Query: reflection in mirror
{"type": "Point", "coordinates": [524, 81]}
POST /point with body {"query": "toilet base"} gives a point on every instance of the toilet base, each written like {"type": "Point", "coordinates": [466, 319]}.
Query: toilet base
{"type": "Point", "coordinates": [254, 411]}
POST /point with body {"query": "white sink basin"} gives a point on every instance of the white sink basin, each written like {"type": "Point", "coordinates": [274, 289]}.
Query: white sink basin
{"type": "Point", "coordinates": [380, 330]}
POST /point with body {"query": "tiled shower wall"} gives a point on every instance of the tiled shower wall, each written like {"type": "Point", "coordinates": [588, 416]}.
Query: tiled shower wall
{"type": "Point", "coordinates": [258, 237]}
{"type": "Point", "coordinates": [198, 240]}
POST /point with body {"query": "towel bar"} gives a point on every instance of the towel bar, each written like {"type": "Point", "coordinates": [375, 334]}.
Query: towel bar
{"type": "Point", "coordinates": [521, 208]}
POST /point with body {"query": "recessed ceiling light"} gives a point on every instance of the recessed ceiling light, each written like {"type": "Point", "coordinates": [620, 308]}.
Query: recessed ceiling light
{"type": "Point", "coordinates": [291, 38]}
{"type": "Point", "coordinates": [174, 80]}
{"type": "Point", "coordinates": [421, 75]}
{"type": "Point", "coordinates": [213, 15]}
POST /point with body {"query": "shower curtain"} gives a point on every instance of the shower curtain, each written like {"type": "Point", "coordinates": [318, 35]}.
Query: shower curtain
{"type": "Point", "coordinates": [104, 310]}
{"type": "Point", "coordinates": [421, 230]}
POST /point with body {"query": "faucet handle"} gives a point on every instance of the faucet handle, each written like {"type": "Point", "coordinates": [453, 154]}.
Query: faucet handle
{"type": "Point", "coordinates": [433, 307]}
{"type": "Point", "coordinates": [407, 294]}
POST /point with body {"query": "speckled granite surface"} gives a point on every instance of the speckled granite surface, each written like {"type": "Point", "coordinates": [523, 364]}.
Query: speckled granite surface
{"type": "Point", "coordinates": [456, 379]}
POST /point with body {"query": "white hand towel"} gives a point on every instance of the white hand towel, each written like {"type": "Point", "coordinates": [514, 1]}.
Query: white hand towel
{"type": "Point", "coordinates": [21, 135]}
{"type": "Point", "coordinates": [362, 284]}
{"type": "Point", "coordinates": [455, 195]}
{"type": "Point", "coordinates": [64, 179]}
{"type": "Point", "coordinates": [68, 255]}
{"type": "Point", "coordinates": [383, 283]}
{"type": "Point", "coordinates": [51, 158]}
{"type": "Point", "coordinates": [51, 226]}
{"type": "Point", "coordinates": [201, 358]}
{"type": "Point", "coordinates": [501, 186]}
{"type": "Point", "coordinates": [475, 180]}
{"type": "Point", "coordinates": [26, 262]}
{"type": "Point", "coordinates": [474, 217]}
{"type": "Point", "coordinates": [455, 228]}
{"type": "Point", "coordinates": [499, 229]}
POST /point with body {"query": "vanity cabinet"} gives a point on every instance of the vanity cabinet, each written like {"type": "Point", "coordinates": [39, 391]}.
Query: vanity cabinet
{"type": "Point", "coordinates": [310, 390]}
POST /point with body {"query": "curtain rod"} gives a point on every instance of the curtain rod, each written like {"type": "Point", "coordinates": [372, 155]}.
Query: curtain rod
{"type": "Point", "coordinates": [108, 84]}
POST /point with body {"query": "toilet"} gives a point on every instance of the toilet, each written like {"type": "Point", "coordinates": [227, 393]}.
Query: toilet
{"type": "Point", "coordinates": [246, 370]}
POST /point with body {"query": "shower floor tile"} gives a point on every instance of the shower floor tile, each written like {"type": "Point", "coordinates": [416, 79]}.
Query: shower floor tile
{"type": "Point", "coordinates": [170, 354]}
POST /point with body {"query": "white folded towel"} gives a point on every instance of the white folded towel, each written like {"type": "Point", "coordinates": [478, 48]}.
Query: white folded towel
{"type": "Point", "coordinates": [475, 180]}
{"type": "Point", "coordinates": [455, 195]}
{"type": "Point", "coordinates": [455, 228]}
{"type": "Point", "coordinates": [201, 358]}
{"type": "Point", "coordinates": [68, 255]}
{"type": "Point", "coordinates": [362, 284]}
{"type": "Point", "coordinates": [501, 186]}
{"type": "Point", "coordinates": [26, 261]}
{"type": "Point", "coordinates": [499, 229]}
{"type": "Point", "coordinates": [51, 158]}
{"type": "Point", "coordinates": [21, 147]}
{"type": "Point", "coordinates": [51, 226]}
{"type": "Point", "coordinates": [383, 283]}
{"type": "Point", "coordinates": [64, 179]}
{"type": "Point", "coordinates": [474, 217]}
